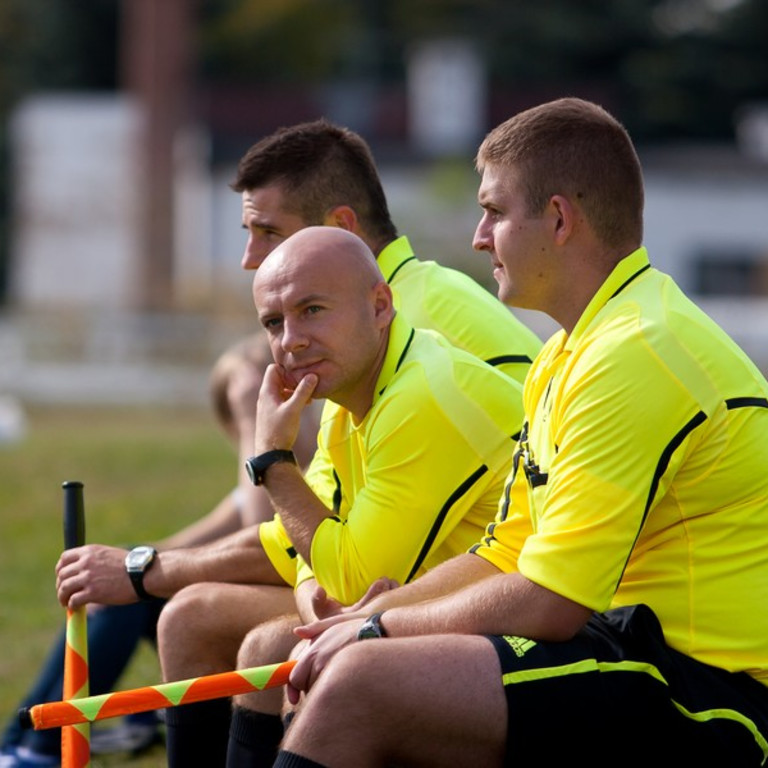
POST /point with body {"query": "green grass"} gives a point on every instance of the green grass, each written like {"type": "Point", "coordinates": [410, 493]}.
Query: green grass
{"type": "Point", "coordinates": [146, 473]}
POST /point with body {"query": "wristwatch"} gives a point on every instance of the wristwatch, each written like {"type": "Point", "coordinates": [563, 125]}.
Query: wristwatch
{"type": "Point", "coordinates": [372, 628]}
{"type": "Point", "coordinates": [137, 562]}
{"type": "Point", "coordinates": [257, 466]}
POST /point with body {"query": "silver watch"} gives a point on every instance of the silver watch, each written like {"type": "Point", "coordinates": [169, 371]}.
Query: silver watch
{"type": "Point", "coordinates": [372, 628]}
{"type": "Point", "coordinates": [137, 562]}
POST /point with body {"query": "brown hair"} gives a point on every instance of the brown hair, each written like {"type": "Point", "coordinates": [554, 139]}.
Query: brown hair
{"type": "Point", "coordinates": [253, 349]}
{"type": "Point", "coordinates": [576, 149]}
{"type": "Point", "coordinates": [319, 166]}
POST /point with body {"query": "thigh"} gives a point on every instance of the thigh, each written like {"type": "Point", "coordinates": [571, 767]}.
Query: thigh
{"type": "Point", "coordinates": [423, 701]}
{"type": "Point", "coordinates": [202, 627]}
{"type": "Point", "coordinates": [227, 609]}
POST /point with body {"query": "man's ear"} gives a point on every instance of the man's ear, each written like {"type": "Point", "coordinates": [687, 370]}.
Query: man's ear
{"type": "Point", "coordinates": [343, 217]}
{"type": "Point", "coordinates": [563, 216]}
{"type": "Point", "coordinates": [383, 304]}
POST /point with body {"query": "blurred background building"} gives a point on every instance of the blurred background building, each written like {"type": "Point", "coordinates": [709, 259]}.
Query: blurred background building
{"type": "Point", "coordinates": [121, 122]}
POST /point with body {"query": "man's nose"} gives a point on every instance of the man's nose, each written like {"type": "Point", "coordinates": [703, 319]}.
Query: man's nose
{"type": "Point", "coordinates": [294, 338]}
{"type": "Point", "coordinates": [253, 255]}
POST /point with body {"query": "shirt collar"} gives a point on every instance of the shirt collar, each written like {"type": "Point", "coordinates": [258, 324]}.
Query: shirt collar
{"type": "Point", "coordinates": [393, 256]}
{"type": "Point", "coordinates": [623, 273]}
{"type": "Point", "coordinates": [400, 337]}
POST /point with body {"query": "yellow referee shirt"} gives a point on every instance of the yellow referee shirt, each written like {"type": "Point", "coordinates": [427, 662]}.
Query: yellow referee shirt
{"type": "Point", "coordinates": [420, 477]}
{"type": "Point", "coordinates": [642, 472]}
{"type": "Point", "coordinates": [433, 296]}
{"type": "Point", "coordinates": [430, 296]}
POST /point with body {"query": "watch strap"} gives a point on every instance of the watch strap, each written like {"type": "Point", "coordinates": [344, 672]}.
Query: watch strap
{"type": "Point", "coordinates": [372, 628]}
{"type": "Point", "coordinates": [257, 466]}
{"type": "Point", "coordinates": [137, 579]}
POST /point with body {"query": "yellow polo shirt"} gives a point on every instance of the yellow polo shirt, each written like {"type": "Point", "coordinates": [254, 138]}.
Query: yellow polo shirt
{"type": "Point", "coordinates": [442, 299]}
{"type": "Point", "coordinates": [420, 477]}
{"type": "Point", "coordinates": [430, 296]}
{"type": "Point", "coordinates": [642, 472]}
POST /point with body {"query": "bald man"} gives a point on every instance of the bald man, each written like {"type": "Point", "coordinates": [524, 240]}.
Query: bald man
{"type": "Point", "coordinates": [415, 442]}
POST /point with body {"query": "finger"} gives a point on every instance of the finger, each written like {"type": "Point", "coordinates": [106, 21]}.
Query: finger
{"type": "Point", "coordinates": [65, 594]}
{"type": "Point", "coordinates": [299, 675]}
{"type": "Point", "coordinates": [315, 628]}
{"type": "Point", "coordinates": [305, 388]}
{"type": "Point", "coordinates": [293, 694]}
{"type": "Point", "coordinates": [306, 631]}
{"type": "Point", "coordinates": [273, 383]}
{"type": "Point", "coordinates": [65, 558]}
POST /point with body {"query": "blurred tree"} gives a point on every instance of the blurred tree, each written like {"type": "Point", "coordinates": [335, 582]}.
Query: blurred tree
{"type": "Point", "coordinates": [275, 41]}
{"type": "Point", "coordinates": [670, 68]}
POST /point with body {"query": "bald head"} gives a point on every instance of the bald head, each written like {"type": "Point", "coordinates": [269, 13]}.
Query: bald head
{"type": "Point", "coordinates": [322, 249]}
{"type": "Point", "coordinates": [326, 308]}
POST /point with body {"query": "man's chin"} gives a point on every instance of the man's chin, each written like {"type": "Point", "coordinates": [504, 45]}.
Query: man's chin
{"type": "Point", "coordinates": [292, 378]}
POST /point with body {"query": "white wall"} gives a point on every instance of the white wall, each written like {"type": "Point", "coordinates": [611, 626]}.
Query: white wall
{"type": "Point", "coordinates": [74, 200]}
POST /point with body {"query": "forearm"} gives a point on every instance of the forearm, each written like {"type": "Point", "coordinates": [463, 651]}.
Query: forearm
{"type": "Point", "coordinates": [499, 604]}
{"type": "Point", "coordinates": [300, 509]}
{"type": "Point", "coordinates": [235, 559]}
{"type": "Point", "coordinates": [221, 521]}
{"type": "Point", "coordinates": [486, 601]}
{"type": "Point", "coordinates": [304, 594]}
{"type": "Point", "coordinates": [445, 579]}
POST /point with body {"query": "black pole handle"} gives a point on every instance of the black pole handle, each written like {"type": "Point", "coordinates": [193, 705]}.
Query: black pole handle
{"type": "Point", "coordinates": [74, 514]}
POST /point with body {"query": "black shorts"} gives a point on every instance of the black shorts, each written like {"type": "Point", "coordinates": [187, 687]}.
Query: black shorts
{"type": "Point", "coordinates": [618, 695]}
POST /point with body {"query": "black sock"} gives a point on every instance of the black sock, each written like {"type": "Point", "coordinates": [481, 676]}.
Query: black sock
{"type": "Point", "coordinates": [292, 760]}
{"type": "Point", "coordinates": [253, 739]}
{"type": "Point", "coordinates": [197, 734]}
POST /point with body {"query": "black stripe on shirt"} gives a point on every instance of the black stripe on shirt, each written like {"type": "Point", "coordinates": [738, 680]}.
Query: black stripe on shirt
{"type": "Point", "coordinates": [405, 349]}
{"type": "Point", "coordinates": [504, 359]}
{"type": "Point", "coordinates": [629, 280]}
{"type": "Point", "coordinates": [661, 468]}
{"type": "Point", "coordinates": [402, 357]}
{"type": "Point", "coordinates": [746, 402]}
{"type": "Point", "coordinates": [440, 519]}
{"type": "Point", "coordinates": [399, 267]}
{"type": "Point", "coordinates": [337, 496]}
{"type": "Point", "coordinates": [666, 455]}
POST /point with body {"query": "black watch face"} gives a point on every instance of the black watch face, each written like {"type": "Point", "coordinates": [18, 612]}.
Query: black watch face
{"type": "Point", "coordinates": [138, 558]}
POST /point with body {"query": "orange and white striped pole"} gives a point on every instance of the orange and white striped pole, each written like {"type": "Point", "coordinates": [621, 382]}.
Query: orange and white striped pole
{"type": "Point", "coordinates": [75, 739]}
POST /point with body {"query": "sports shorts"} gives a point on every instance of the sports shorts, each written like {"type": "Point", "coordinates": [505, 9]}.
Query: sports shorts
{"type": "Point", "coordinates": [618, 695]}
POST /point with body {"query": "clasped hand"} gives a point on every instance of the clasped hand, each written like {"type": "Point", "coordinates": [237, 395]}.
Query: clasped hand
{"type": "Point", "coordinates": [327, 636]}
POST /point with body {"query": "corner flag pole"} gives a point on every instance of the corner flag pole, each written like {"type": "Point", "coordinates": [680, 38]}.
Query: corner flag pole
{"type": "Point", "coordinates": [75, 739]}
{"type": "Point", "coordinates": [54, 714]}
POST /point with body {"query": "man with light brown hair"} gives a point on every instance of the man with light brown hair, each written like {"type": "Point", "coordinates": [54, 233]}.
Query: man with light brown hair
{"type": "Point", "coordinates": [615, 610]}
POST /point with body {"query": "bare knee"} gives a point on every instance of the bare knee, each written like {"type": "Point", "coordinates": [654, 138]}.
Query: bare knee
{"type": "Point", "coordinates": [345, 695]}
{"type": "Point", "coordinates": [184, 631]}
{"type": "Point", "coordinates": [268, 643]}
{"type": "Point", "coordinates": [349, 677]}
